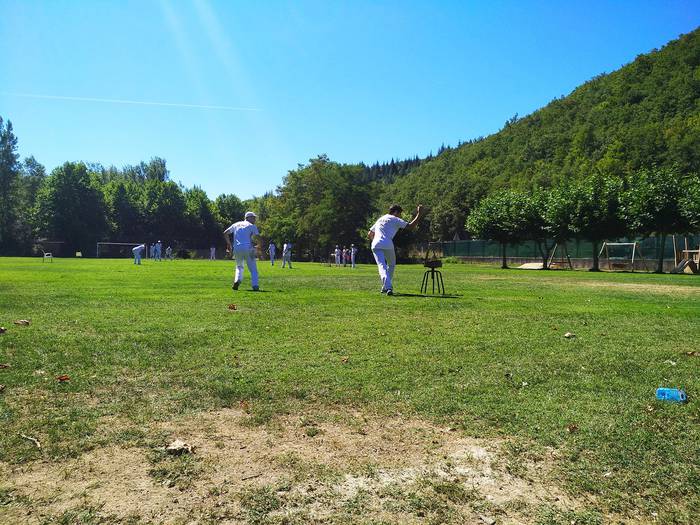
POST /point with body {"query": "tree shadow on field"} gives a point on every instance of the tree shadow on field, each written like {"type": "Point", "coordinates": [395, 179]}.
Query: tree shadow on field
{"type": "Point", "coordinates": [433, 296]}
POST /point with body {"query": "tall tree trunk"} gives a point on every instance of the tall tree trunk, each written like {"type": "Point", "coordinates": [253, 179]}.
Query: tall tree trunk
{"type": "Point", "coordinates": [596, 258]}
{"type": "Point", "coordinates": [542, 246]}
{"type": "Point", "coordinates": [660, 253]}
{"type": "Point", "coordinates": [504, 263]}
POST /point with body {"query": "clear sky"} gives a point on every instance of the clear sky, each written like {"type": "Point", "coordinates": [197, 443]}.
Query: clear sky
{"type": "Point", "coordinates": [286, 81]}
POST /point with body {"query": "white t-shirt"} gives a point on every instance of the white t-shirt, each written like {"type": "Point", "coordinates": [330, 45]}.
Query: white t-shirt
{"type": "Point", "coordinates": [385, 229]}
{"type": "Point", "coordinates": [286, 248]}
{"type": "Point", "coordinates": [242, 233]}
{"type": "Point", "coordinates": [138, 248]}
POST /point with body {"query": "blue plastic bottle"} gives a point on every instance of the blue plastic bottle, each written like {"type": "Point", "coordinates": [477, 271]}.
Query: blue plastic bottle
{"type": "Point", "coordinates": [674, 395]}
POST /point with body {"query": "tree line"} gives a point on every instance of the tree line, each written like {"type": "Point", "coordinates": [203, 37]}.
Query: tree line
{"type": "Point", "coordinates": [656, 201]}
{"type": "Point", "coordinates": [80, 204]}
{"type": "Point", "coordinates": [318, 205]}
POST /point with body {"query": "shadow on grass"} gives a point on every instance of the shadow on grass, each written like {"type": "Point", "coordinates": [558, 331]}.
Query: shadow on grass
{"type": "Point", "coordinates": [435, 296]}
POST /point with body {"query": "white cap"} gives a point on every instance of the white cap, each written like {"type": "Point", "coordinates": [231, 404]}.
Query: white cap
{"type": "Point", "coordinates": [249, 214]}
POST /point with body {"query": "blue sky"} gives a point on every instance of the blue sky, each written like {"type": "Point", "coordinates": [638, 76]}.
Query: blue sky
{"type": "Point", "coordinates": [356, 80]}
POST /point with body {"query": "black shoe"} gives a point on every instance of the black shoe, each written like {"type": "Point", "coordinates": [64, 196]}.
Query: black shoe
{"type": "Point", "coordinates": [390, 292]}
{"type": "Point", "coordinates": [383, 290]}
{"type": "Point", "coordinates": [256, 289]}
{"type": "Point", "coordinates": [236, 284]}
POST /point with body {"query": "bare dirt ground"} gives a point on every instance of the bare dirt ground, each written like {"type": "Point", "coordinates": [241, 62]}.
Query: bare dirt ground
{"type": "Point", "coordinates": [328, 468]}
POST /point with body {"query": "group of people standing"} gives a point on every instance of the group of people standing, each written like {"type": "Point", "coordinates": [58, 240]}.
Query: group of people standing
{"type": "Point", "coordinates": [286, 253]}
{"type": "Point", "coordinates": [239, 241]}
{"type": "Point", "coordinates": [345, 256]}
{"type": "Point", "coordinates": [155, 251]}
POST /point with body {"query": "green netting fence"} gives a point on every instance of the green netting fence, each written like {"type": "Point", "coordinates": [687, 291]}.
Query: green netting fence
{"type": "Point", "coordinates": [576, 249]}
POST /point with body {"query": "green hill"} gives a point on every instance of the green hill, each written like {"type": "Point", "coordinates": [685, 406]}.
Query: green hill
{"type": "Point", "coordinates": [647, 112]}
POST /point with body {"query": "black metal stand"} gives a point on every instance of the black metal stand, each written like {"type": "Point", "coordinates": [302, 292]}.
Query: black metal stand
{"type": "Point", "coordinates": [436, 277]}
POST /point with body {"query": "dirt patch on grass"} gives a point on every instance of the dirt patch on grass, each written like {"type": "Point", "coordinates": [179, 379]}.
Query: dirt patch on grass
{"type": "Point", "coordinates": [666, 289]}
{"type": "Point", "coordinates": [320, 468]}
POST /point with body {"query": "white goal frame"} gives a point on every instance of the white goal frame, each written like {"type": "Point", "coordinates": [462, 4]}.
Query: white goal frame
{"type": "Point", "coordinates": [116, 244]}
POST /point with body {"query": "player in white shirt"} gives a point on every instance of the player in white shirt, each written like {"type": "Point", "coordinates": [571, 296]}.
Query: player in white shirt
{"type": "Point", "coordinates": [271, 250]}
{"type": "Point", "coordinates": [159, 248]}
{"type": "Point", "coordinates": [239, 240]}
{"type": "Point", "coordinates": [337, 253]}
{"type": "Point", "coordinates": [136, 250]}
{"type": "Point", "coordinates": [353, 254]}
{"type": "Point", "coordinates": [287, 254]}
{"type": "Point", "coordinates": [382, 235]}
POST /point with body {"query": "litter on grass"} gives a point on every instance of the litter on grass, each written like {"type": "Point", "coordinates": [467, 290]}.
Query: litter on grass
{"type": "Point", "coordinates": [23, 322]}
{"type": "Point", "coordinates": [179, 447]}
{"type": "Point", "coordinates": [33, 440]}
{"type": "Point", "coordinates": [672, 395]}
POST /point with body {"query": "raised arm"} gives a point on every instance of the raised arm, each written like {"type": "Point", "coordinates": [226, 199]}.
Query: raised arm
{"type": "Point", "coordinates": [417, 218]}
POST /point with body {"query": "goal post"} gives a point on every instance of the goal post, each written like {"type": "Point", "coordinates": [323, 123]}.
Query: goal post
{"type": "Point", "coordinates": [116, 249]}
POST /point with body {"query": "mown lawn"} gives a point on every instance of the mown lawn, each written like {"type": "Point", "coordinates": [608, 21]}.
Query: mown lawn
{"type": "Point", "coordinates": [146, 343]}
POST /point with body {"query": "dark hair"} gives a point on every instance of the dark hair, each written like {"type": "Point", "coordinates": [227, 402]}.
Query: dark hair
{"type": "Point", "coordinates": [395, 208]}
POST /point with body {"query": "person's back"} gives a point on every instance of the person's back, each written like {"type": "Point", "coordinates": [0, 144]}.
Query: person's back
{"type": "Point", "coordinates": [385, 229]}
{"type": "Point", "coordinates": [239, 239]}
{"type": "Point", "coordinates": [242, 233]}
{"type": "Point", "coordinates": [382, 234]}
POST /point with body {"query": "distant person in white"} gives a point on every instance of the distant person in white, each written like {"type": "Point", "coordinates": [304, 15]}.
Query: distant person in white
{"type": "Point", "coordinates": [212, 253]}
{"type": "Point", "coordinates": [353, 254]}
{"type": "Point", "coordinates": [159, 248]}
{"type": "Point", "coordinates": [287, 254]}
{"type": "Point", "coordinates": [239, 240]}
{"type": "Point", "coordinates": [136, 250]}
{"type": "Point", "coordinates": [169, 253]}
{"type": "Point", "coordinates": [337, 255]}
{"type": "Point", "coordinates": [382, 235]}
{"type": "Point", "coordinates": [271, 250]}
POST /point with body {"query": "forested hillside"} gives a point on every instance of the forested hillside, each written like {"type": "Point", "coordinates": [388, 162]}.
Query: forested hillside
{"type": "Point", "coordinates": [646, 113]}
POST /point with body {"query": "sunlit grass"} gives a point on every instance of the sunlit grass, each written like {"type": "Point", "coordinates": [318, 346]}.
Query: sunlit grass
{"type": "Point", "coordinates": [145, 343]}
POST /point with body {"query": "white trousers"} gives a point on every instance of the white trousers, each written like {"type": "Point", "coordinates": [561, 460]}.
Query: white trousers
{"type": "Point", "coordinates": [287, 259]}
{"type": "Point", "coordinates": [247, 255]}
{"type": "Point", "coordinates": [352, 260]}
{"type": "Point", "coordinates": [386, 262]}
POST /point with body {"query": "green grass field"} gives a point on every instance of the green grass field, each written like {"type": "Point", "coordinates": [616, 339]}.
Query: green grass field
{"type": "Point", "coordinates": [147, 346]}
